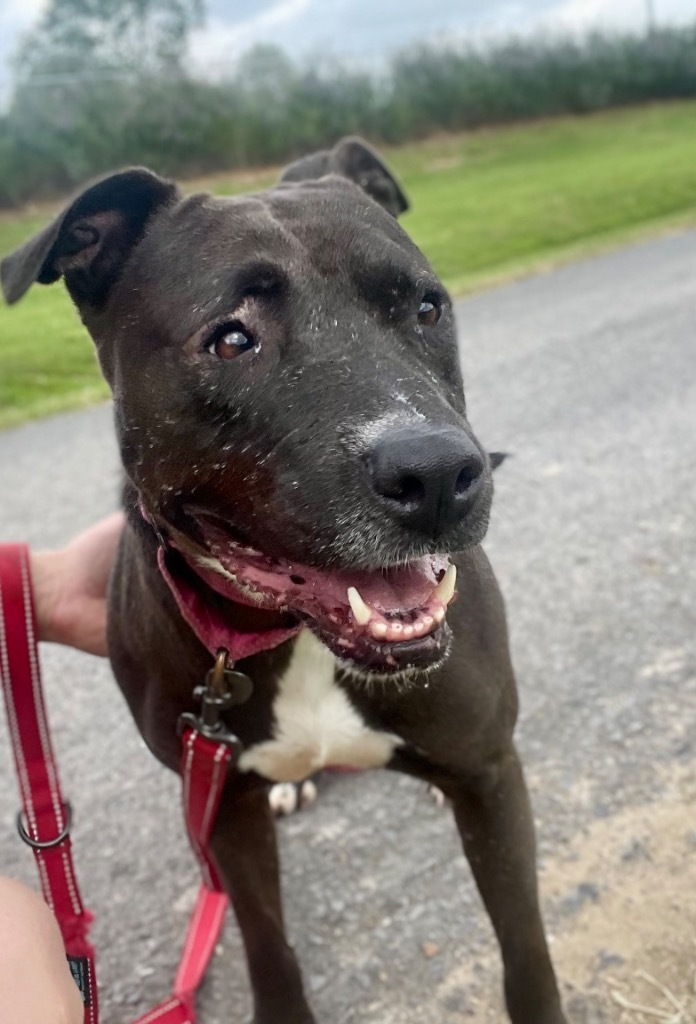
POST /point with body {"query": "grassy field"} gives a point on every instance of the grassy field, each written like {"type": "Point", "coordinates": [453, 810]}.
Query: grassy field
{"type": "Point", "coordinates": [487, 205]}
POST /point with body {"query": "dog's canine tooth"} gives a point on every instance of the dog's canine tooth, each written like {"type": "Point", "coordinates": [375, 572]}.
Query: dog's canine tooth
{"type": "Point", "coordinates": [361, 611]}
{"type": "Point", "coordinates": [438, 615]}
{"type": "Point", "coordinates": [444, 591]}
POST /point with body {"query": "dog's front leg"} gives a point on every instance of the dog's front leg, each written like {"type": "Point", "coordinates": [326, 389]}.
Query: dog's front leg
{"type": "Point", "coordinates": [494, 819]}
{"type": "Point", "coordinates": [245, 851]}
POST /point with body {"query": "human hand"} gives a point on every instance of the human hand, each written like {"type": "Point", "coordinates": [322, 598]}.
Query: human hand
{"type": "Point", "coordinates": [36, 986]}
{"type": "Point", "coordinates": [70, 587]}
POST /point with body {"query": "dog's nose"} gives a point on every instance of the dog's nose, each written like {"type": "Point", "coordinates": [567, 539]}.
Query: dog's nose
{"type": "Point", "coordinates": [429, 476]}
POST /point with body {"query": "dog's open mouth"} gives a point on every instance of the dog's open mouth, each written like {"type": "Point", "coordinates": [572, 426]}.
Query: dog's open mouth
{"type": "Point", "coordinates": [384, 619]}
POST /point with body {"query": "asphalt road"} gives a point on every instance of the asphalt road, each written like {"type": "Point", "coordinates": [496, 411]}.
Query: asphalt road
{"type": "Point", "coordinates": [588, 377]}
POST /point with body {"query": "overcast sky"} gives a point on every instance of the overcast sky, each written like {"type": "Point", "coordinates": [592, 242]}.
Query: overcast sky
{"type": "Point", "coordinates": [365, 29]}
{"type": "Point", "coordinates": [369, 27]}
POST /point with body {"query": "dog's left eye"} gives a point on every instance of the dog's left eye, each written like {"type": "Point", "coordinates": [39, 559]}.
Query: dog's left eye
{"type": "Point", "coordinates": [229, 341]}
{"type": "Point", "coordinates": [430, 311]}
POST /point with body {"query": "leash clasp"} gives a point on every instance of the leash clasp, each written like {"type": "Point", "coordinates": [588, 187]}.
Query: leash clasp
{"type": "Point", "coordinates": [223, 689]}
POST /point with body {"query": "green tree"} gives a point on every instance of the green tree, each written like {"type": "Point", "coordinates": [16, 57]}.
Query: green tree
{"type": "Point", "coordinates": [83, 37]}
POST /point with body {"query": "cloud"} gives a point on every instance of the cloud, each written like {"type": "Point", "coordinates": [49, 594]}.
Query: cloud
{"type": "Point", "coordinates": [349, 28]}
{"type": "Point", "coordinates": [580, 15]}
{"type": "Point", "coordinates": [366, 29]}
{"type": "Point", "coordinates": [16, 17]}
{"type": "Point", "coordinates": [219, 39]}
{"type": "Point", "coordinates": [583, 15]}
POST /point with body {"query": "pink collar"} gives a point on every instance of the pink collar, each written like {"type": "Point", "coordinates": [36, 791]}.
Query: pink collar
{"type": "Point", "coordinates": [212, 632]}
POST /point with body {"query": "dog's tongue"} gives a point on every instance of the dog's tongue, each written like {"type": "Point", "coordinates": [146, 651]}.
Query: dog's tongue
{"type": "Point", "coordinates": [387, 605]}
{"type": "Point", "coordinates": [292, 584]}
{"type": "Point", "coordinates": [396, 589]}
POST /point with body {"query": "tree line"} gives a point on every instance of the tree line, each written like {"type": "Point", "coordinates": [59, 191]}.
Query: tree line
{"type": "Point", "coordinates": [69, 121]}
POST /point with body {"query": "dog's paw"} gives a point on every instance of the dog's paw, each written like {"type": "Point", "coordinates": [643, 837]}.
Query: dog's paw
{"type": "Point", "coordinates": [288, 797]}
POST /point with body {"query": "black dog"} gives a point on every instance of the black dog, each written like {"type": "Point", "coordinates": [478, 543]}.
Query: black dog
{"type": "Point", "coordinates": [292, 423]}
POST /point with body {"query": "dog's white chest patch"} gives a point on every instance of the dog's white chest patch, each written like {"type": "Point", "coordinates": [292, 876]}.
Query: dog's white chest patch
{"type": "Point", "coordinates": [315, 723]}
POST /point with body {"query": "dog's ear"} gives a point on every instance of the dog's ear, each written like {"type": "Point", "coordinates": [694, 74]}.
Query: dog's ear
{"type": "Point", "coordinates": [496, 458]}
{"type": "Point", "coordinates": [89, 241]}
{"type": "Point", "coordinates": [308, 168]}
{"type": "Point", "coordinates": [353, 158]}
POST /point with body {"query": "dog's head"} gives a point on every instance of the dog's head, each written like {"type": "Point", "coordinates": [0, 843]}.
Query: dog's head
{"type": "Point", "coordinates": [287, 391]}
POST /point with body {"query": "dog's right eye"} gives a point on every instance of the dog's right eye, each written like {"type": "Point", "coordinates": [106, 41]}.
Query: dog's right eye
{"type": "Point", "coordinates": [430, 310]}
{"type": "Point", "coordinates": [230, 340]}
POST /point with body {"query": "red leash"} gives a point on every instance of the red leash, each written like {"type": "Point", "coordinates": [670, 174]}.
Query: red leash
{"type": "Point", "coordinates": [45, 819]}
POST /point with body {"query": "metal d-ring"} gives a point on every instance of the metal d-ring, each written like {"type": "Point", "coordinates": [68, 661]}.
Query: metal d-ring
{"type": "Point", "coordinates": [217, 675]}
{"type": "Point", "coordinates": [49, 844]}
{"type": "Point", "coordinates": [223, 688]}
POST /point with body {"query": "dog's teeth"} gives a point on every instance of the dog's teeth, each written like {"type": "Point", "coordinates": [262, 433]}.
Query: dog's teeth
{"type": "Point", "coordinates": [361, 611]}
{"type": "Point", "coordinates": [438, 615]}
{"type": "Point", "coordinates": [444, 591]}
{"type": "Point", "coordinates": [378, 630]}
{"type": "Point", "coordinates": [408, 631]}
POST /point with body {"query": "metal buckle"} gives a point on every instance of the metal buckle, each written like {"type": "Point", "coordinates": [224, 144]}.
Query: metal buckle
{"type": "Point", "coordinates": [49, 844]}
{"type": "Point", "coordinates": [222, 690]}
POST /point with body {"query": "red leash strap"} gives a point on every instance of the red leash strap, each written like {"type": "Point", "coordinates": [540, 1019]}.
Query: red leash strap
{"type": "Point", "coordinates": [45, 821]}
{"type": "Point", "coordinates": [204, 769]}
{"type": "Point", "coordinates": [201, 939]}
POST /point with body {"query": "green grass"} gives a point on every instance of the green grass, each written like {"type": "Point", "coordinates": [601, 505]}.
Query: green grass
{"type": "Point", "coordinates": [487, 205]}
{"type": "Point", "coordinates": [502, 198]}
